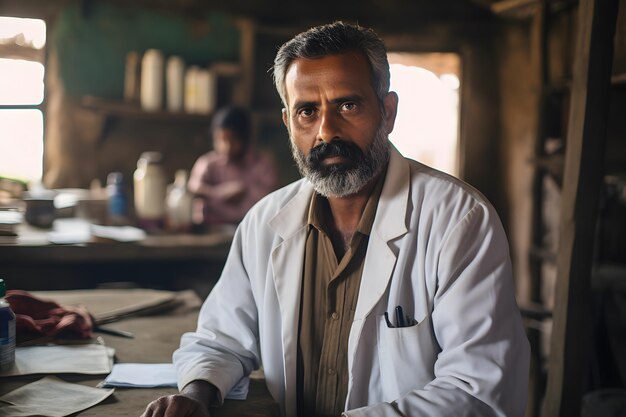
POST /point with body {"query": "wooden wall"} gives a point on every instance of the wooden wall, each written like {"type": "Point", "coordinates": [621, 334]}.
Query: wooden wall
{"type": "Point", "coordinates": [86, 58]}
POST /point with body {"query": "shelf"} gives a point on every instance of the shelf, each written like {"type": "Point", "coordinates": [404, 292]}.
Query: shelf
{"type": "Point", "coordinates": [519, 9]}
{"type": "Point", "coordinates": [120, 109]}
{"type": "Point", "coordinates": [526, 9]}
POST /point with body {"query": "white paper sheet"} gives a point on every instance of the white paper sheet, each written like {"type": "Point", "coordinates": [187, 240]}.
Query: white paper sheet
{"type": "Point", "coordinates": [150, 375]}
{"type": "Point", "coordinates": [69, 231]}
{"type": "Point", "coordinates": [141, 375]}
{"type": "Point", "coordinates": [119, 233]}
{"type": "Point", "coordinates": [91, 359]}
{"type": "Point", "coordinates": [41, 398]}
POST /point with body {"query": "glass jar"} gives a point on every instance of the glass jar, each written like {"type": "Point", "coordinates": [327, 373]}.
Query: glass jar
{"type": "Point", "coordinates": [149, 193]}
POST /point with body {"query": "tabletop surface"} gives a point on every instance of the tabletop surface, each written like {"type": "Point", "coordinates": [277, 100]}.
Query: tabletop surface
{"type": "Point", "coordinates": [33, 245]}
{"type": "Point", "coordinates": [155, 339]}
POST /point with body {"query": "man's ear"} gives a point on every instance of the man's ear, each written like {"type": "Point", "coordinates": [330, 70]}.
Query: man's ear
{"type": "Point", "coordinates": [285, 118]}
{"type": "Point", "coordinates": [390, 103]}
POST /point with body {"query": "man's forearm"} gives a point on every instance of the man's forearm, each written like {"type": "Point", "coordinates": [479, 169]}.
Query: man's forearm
{"type": "Point", "coordinates": [202, 391]}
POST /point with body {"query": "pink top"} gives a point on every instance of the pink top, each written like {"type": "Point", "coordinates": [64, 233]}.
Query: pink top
{"type": "Point", "coordinates": [230, 188]}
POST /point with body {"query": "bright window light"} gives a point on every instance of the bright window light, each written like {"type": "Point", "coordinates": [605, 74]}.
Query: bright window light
{"type": "Point", "coordinates": [23, 32]}
{"type": "Point", "coordinates": [21, 81]}
{"type": "Point", "coordinates": [21, 84]}
{"type": "Point", "coordinates": [21, 144]}
{"type": "Point", "coordinates": [426, 127]}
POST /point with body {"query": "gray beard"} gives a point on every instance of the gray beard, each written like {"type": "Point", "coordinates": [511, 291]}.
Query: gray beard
{"type": "Point", "coordinates": [342, 183]}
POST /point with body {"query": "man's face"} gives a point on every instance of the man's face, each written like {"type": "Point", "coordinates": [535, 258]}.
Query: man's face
{"type": "Point", "coordinates": [338, 131]}
{"type": "Point", "coordinates": [226, 142]}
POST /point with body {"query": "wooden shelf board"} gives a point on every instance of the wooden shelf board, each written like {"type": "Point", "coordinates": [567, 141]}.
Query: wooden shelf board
{"type": "Point", "coordinates": [525, 9]}
{"type": "Point", "coordinates": [514, 8]}
{"type": "Point", "coordinates": [122, 109]}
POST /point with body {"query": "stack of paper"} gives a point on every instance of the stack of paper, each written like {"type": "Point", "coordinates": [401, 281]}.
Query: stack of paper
{"type": "Point", "coordinates": [118, 233]}
{"type": "Point", "coordinates": [9, 219]}
{"type": "Point", "coordinates": [91, 359]}
{"type": "Point", "coordinates": [152, 375]}
{"type": "Point", "coordinates": [41, 398]}
{"type": "Point", "coordinates": [141, 375]}
{"type": "Point", "coordinates": [111, 305]}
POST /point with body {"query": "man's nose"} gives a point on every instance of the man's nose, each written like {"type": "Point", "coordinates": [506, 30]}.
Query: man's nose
{"type": "Point", "coordinates": [329, 127]}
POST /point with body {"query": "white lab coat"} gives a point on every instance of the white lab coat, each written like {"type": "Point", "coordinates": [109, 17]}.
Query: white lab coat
{"type": "Point", "coordinates": [437, 248]}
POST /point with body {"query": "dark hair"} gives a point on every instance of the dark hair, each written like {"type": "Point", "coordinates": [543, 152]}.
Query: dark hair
{"type": "Point", "coordinates": [233, 118]}
{"type": "Point", "coordinates": [331, 39]}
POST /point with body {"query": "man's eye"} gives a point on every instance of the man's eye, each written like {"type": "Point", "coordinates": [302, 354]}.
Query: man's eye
{"type": "Point", "coordinates": [306, 112]}
{"type": "Point", "coordinates": [349, 106]}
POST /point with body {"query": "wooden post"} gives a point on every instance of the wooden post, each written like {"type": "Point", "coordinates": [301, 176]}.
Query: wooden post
{"type": "Point", "coordinates": [539, 61]}
{"type": "Point", "coordinates": [584, 161]}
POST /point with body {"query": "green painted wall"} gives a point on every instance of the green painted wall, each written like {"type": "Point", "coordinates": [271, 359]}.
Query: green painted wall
{"type": "Point", "coordinates": [92, 46]}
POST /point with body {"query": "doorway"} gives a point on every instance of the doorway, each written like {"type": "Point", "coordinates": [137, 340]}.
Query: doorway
{"type": "Point", "coordinates": [427, 124]}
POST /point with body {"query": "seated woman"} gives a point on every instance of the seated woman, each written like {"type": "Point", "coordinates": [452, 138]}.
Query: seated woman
{"type": "Point", "coordinates": [234, 175]}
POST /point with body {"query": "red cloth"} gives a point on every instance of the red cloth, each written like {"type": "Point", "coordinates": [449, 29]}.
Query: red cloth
{"type": "Point", "coordinates": [37, 318]}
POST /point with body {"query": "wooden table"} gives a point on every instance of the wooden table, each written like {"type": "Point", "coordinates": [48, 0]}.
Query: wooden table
{"type": "Point", "coordinates": [32, 244]}
{"type": "Point", "coordinates": [156, 337]}
{"type": "Point", "coordinates": [166, 261]}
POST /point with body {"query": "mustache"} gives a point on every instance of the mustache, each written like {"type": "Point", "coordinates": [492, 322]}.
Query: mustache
{"type": "Point", "coordinates": [340, 148]}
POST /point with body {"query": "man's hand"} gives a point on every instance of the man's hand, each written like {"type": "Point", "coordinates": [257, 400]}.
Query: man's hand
{"type": "Point", "coordinates": [177, 405]}
{"type": "Point", "coordinates": [193, 401]}
{"type": "Point", "coordinates": [231, 191]}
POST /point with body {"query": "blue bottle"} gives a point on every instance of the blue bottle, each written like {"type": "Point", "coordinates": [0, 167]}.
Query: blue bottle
{"type": "Point", "coordinates": [7, 331]}
{"type": "Point", "coordinates": [117, 199]}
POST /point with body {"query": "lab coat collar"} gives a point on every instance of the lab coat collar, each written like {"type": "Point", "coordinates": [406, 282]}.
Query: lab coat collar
{"type": "Point", "coordinates": [389, 224]}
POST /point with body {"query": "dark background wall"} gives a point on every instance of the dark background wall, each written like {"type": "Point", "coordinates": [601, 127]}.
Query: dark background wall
{"type": "Point", "coordinates": [91, 43]}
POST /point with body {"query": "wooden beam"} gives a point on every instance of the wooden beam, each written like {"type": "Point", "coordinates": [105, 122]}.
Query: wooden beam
{"type": "Point", "coordinates": [539, 62]}
{"type": "Point", "coordinates": [515, 8]}
{"type": "Point", "coordinates": [584, 162]}
{"type": "Point", "coordinates": [243, 94]}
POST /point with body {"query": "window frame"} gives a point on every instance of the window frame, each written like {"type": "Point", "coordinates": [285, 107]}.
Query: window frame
{"type": "Point", "coordinates": [29, 53]}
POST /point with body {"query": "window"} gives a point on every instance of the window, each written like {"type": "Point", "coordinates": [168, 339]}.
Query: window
{"type": "Point", "coordinates": [22, 44]}
{"type": "Point", "coordinates": [427, 124]}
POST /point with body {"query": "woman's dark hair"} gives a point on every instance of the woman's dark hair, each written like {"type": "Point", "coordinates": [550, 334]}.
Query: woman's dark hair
{"type": "Point", "coordinates": [233, 118]}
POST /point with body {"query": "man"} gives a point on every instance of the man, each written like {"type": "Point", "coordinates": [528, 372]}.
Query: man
{"type": "Point", "coordinates": [376, 286]}
{"type": "Point", "coordinates": [234, 175]}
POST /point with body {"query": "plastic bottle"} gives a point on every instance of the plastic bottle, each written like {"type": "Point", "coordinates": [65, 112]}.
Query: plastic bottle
{"type": "Point", "coordinates": [152, 80]}
{"type": "Point", "coordinates": [174, 75]}
{"type": "Point", "coordinates": [7, 331]}
{"type": "Point", "coordinates": [191, 89]}
{"type": "Point", "coordinates": [149, 182]}
{"type": "Point", "coordinates": [206, 82]}
{"type": "Point", "coordinates": [132, 77]}
{"type": "Point", "coordinates": [117, 200]}
{"type": "Point", "coordinates": [179, 204]}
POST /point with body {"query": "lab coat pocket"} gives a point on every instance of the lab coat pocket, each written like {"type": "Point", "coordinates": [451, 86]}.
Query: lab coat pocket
{"type": "Point", "coordinates": [407, 357]}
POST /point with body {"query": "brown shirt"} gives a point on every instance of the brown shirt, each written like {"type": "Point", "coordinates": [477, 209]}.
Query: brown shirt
{"type": "Point", "coordinates": [330, 290]}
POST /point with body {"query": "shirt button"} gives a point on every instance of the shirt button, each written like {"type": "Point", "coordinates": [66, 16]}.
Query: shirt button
{"type": "Point", "coordinates": [331, 371]}
{"type": "Point", "coordinates": [335, 316]}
